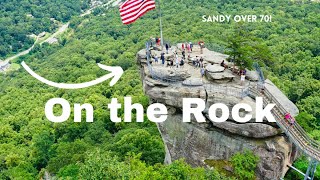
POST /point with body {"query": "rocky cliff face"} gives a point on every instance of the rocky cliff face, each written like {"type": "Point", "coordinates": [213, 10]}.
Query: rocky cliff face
{"type": "Point", "coordinates": [199, 143]}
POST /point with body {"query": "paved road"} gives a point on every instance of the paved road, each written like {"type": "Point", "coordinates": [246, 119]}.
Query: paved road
{"type": "Point", "coordinates": [59, 31]}
{"type": "Point", "coordinates": [23, 52]}
{"type": "Point", "coordinates": [62, 29]}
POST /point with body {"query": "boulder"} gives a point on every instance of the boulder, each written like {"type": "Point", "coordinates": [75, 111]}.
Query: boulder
{"type": "Point", "coordinates": [252, 130]}
{"type": "Point", "coordinates": [171, 73]}
{"type": "Point", "coordinates": [215, 68]}
{"type": "Point", "coordinates": [193, 82]}
{"type": "Point", "coordinates": [281, 98]}
{"type": "Point", "coordinates": [217, 59]}
{"type": "Point", "coordinates": [224, 76]}
{"type": "Point", "coordinates": [173, 96]}
{"type": "Point", "coordinates": [166, 56]}
{"type": "Point", "coordinates": [252, 76]}
{"type": "Point", "coordinates": [156, 48]}
{"type": "Point", "coordinates": [142, 54]}
{"type": "Point", "coordinates": [155, 83]}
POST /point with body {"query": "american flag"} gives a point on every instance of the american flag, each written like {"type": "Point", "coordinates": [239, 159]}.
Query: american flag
{"type": "Point", "coordinates": [131, 10]}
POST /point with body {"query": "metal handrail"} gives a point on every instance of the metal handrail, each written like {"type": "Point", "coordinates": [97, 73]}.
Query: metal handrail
{"type": "Point", "coordinates": [258, 69]}
{"type": "Point", "coordinates": [295, 132]}
{"type": "Point", "coordinates": [238, 92]}
{"type": "Point", "coordinates": [298, 127]}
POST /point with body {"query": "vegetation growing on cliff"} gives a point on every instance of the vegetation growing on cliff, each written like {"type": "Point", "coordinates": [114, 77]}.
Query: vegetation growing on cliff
{"type": "Point", "coordinates": [244, 165]}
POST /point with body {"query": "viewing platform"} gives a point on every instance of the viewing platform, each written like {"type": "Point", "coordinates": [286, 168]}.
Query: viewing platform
{"type": "Point", "coordinates": [170, 81]}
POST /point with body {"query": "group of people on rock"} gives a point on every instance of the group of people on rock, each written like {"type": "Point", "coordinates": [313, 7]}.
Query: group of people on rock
{"type": "Point", "coordinates": [197, 61]}
{"type": "Point", "coordinates": [187, 46]}
{"type": "Point", "coordinates": [179, 62]}
{"type": "Point", "coordinates": [242, 72]}
{"type": "Point", "coordinates": [162, 58]}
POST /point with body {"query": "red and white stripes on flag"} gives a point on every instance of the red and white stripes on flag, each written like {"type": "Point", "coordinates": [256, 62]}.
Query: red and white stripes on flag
{"type": "Point", "coordinates": [131, 10]}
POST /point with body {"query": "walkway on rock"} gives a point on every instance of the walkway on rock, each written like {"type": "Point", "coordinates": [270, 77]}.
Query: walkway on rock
{"type": "Point", "coordinates": [295, 132]}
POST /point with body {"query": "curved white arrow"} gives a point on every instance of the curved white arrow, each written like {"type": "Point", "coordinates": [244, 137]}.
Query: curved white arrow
{"type": "Point", "coordinates": [116, 73]}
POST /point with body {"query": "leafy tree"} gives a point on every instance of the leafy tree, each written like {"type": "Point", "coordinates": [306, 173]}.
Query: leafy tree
{"type": "Point", "coordinates": [239, 49]}
{"type": "Point", "coordinates": [245, 164]}
{"type": "Point", "coordinates": [141, 141]}
{"type": "Point", "coordinates": [99, 165]}
{"type": "Point", "coordinates": [41, 145]}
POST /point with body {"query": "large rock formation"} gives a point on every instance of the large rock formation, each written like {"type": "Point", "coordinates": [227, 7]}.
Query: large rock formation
{"type": "Point", "coordinates": [199, 142]}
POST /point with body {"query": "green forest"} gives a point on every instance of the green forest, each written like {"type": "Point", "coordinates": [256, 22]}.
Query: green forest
{"type": "Point", "coordinates": [31, 147]}
{"type": "Point", "coordinates": [20, 18]}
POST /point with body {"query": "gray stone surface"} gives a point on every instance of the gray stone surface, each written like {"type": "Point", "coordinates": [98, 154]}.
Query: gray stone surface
{"type": "Point", "coordinates": [251, 130]}
{"type": "Point", "coordinates": [173, 96]}
{"type": "Point", "coordinates": [172, 73]}
{"type": "Point", "coordinates": [196, 142]}
{"type": "Point", "coordinates": [193, 82]}
{"type": "Point", "coordinates": [142, 54]}
{"type": "Point", "coordinates": [215, 68]}
{"type": "Point", "coordinates": [252, 75]}
{"type": "Point", "coordinates": [225, 75]}
{"type": "Point", "coordinates": [281, 98]}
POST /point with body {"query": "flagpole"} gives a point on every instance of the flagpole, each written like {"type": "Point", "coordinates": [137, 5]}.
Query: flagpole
{"type": "Point", "coordinates": [161, 35]}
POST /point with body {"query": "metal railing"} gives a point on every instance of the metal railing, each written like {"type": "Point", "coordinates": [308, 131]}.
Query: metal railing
{"type": "Point", "coordinates": [237, 92]}
{"type": "Point", "coordinates": [294, 131]}
{"type": "Point", "coordinates": [260, 73]}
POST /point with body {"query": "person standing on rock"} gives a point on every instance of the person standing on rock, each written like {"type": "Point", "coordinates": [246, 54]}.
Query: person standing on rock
{"type": "Point", "coordinates": [201, 44]}
{"type": "Point", "coordinates": [191, 46]}
{"type": "Point", "coordinates": [181, 62]}
{"type": "Point", "coordinates": [156, 59]}
{"type": "Point", "coordinates": [197, 64]}
{"type": "Point", "coordinates": [188, 48]}
{"type": "Point", "coordinates": [201, 62]}
{"type": "Point", "coordinates": [242, 79]}
{"type": "Point", "coordinates": [184, 54]}
{"type": "Point", "coordinates": [162, 58]}
{"type": "Point", "coordinates": [171, 63]}
{"type": "Point", "coordinates": [167, 48]}
{"type": "Point", "coordinates": [177, 62]}
{"type": "Point", "coordinates": [202, 71]}
{"type": "Point", "coordinates": [182, 46]}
